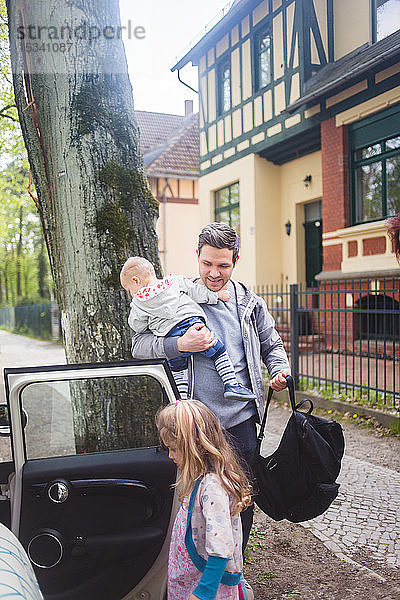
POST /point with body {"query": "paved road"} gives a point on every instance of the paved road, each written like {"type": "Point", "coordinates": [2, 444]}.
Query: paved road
{"type": "Point", "coordinates": [366, 514]}
{"type": "Point", "coordinates": [365, 517]}
{"type": "Point", "coordinates": [20, 351]}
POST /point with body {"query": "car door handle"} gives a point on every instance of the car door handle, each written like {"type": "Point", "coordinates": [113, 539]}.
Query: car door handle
{"type": "Point", "coordinates": [84, 487]}
{"type": "Point", "coordinates": [124, 544]}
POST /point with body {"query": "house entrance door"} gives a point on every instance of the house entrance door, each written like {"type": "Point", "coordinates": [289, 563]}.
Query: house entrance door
{"type": "Point", "coordinates": [313, 241]}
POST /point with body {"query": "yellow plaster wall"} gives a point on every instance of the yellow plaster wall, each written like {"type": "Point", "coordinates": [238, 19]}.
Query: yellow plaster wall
{"type": "Point", "coordinates": [277, 28]}
{"type": "Point", "coordinates": [235, 78]}
{"type": "Point", "coordinates": [222, 45]}
{"type": "Point", "coordinates": [270, 195]}
{"type": "Point", "coordinates": [246, 70]}
{"type": "Point", "coordinates": [212, 102]}
{"type": "Point", "coordinates": [321, 12]}
{"type": "Point", "coordinates": [368, 107]}
{"type": "Point", "coordinates": [183, 226]}
{"type": "Point", "coordinates": [294, 194]}
{"type": "Point", "coordinates": [260, 12]}
{"type": "Point", "coordinates": [241, 170]}
{"type": "Point", "coordinates": [203, 105]}
{"type": "Point", "coordinates": [267, 218]}
{"type": "Point", "coordinates": [351, 25]}
{"type": "Point", "coordinates": [186, 188]}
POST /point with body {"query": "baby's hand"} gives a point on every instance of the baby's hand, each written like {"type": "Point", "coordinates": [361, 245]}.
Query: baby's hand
{"type": "Point", "coordinates": [224, 295]}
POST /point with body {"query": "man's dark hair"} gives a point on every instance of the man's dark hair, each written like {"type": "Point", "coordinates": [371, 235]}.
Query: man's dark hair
{"type": "Point", "coordinates": [219, 235]}
{"type": "Point", "coordinates": [393, 228]}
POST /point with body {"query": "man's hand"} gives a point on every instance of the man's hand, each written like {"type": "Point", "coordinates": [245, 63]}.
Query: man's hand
{"type": "Point", "coordinates": [196, 339]}
{"type": "Point", "coordinates": [278, 383]}
{"type": "Point", "coordinates": [224, 295]}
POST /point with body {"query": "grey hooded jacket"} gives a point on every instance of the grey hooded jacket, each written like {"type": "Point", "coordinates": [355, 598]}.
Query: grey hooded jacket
{"type": "Point", "coordinates": [260, 339]}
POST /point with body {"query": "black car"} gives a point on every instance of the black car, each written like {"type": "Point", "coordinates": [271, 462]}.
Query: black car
{"type": "Point", "coordinates": [89, 490]}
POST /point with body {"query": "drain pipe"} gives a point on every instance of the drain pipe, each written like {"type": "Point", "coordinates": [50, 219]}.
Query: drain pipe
{"type": "Point", "coordinates": [184, 83]}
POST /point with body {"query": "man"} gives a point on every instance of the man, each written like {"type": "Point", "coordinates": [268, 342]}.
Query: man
{"type": "Point", "coordinates": [246, 328]}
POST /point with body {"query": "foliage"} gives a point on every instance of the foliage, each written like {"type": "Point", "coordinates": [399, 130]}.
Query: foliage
{"type": "Point", "coordinates": [24, 265]}
{"type": "Point", "coordinates": [24, 268]}
{"type": "Point", "coordinates": [357, 395]}
{"type": "Point", "coordinates": [11, 142]}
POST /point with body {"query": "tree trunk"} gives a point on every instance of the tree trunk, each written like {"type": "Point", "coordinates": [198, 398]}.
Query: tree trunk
{"type": "Point", "coordinates": [43, 288]}
{"type": "Point", "coordinates": [82, 141]}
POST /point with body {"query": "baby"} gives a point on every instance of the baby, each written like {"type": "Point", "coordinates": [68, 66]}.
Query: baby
{"type": "Point", "coordinates": [168, 307]}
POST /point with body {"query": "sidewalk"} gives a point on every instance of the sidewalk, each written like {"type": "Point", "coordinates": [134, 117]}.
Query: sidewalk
{"type": "Point", "coordinates": [20, 351]}
{"type": "Point", "coordinates": [365, 517]}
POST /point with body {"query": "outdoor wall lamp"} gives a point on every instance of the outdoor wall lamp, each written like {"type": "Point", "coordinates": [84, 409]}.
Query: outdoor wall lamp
{"type": "Point", "coordinates": [288, 226]}
{"type": "Point", "coordinates": [307, 180]}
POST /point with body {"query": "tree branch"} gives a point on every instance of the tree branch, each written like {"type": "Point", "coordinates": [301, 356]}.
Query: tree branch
{"type": "Point", "coordinates": [3, 113]}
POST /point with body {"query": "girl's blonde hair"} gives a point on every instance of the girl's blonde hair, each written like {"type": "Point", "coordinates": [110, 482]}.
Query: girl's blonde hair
{"type": "Point", "coordinates": [192, 429]}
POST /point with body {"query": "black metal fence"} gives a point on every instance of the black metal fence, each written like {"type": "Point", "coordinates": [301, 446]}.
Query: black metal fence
{"type": "Point", "coordinates": [343, 337]}
{"type": "Point", "coordinates": [36, 320]}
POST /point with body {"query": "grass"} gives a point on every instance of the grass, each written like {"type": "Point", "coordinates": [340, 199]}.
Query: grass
{"type": "Point", "coordinates": [358, 395]}
{"type": "Point", "coordinates": [353, 398]}
{"type": "Point", "coordinates": [265, 577]}
{"type": "Point", "coordinates": [26, 332]}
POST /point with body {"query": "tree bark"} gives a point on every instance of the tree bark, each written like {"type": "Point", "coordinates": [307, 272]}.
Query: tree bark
{"type": "Point", "coordinates": [82, 141]}
{"type": "Point", "coordinates": [43, 288]}
{"type": "Point", "coordinates": [19, 251]}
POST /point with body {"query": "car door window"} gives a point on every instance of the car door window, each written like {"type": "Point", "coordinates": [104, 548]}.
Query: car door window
{"type": "Point", "coordinates": [80, 416]}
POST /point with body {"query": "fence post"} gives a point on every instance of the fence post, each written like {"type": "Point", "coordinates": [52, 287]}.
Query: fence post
{"type": "Point", "coordinates": [294, 333]}
{"type": "Point", "coordinates": [54, 319]}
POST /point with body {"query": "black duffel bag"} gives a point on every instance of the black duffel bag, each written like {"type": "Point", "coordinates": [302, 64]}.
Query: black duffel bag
{"type": "Point", "coordinates": [298, 481]}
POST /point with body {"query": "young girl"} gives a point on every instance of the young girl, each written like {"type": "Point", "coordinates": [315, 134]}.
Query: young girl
{"type": "Point", "coordinates": [205, 558]}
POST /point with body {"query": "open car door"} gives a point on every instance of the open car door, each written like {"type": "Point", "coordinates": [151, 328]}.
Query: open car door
{"type": "Point", "coordinates": [90, 494]}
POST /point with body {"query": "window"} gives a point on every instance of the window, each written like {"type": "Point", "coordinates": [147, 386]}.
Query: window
{"type": "Point", "coordinates": [377, 180]}
{"type": "Point", "coordinates": [59, 415]}
{"type": "Point", "coordinates": [374, 149]}
{"type": "Point", "coordinates": [374, 318]}
{"type": "Point", "coordinates": [387, 17]}
{"type": "Point", "coordinates": [227, 206]}
{"type": "Point", "coordinates": [224, 87]}
{"type": "Point", "coordinates": [262, 58]}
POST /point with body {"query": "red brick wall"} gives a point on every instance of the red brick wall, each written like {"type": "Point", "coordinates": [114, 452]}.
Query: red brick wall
{"type": "Point", "coordinates": [352, 248]}
{"type": "Point", "coordinates": [340, 328]}
{"type": "Point", "coordinates": [374, 246]}
{"type": "Point", "coordinates": [335, 186]}
{"type": "Point", "coordinates": [332, 257]}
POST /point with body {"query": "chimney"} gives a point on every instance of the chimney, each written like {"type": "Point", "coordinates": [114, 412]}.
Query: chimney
{"type": "Point", "coordinates": [188, 107]}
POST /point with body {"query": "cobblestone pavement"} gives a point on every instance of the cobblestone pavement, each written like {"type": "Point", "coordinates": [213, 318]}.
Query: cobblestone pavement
{"type": "Point", "coordinates": [366, 514]}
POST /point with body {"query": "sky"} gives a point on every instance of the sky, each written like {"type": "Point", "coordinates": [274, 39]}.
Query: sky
{"type": "Point", "coordinates": [169, 27]}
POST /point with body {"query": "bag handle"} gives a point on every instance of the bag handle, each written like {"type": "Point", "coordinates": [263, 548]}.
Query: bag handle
{"type": "Point", "coordinates": [290, 387]}
{"type": "Point", "coordinates": [302, 402]}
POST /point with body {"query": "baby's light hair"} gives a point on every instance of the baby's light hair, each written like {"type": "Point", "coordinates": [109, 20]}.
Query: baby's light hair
{"type": "Point", "coordinates": [192, 429]}
{"type": "Point", "coordinates": [134, 266]}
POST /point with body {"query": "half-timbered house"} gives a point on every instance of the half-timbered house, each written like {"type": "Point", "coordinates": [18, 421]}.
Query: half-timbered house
{"type": "Point", "coordinates": [300, 135]}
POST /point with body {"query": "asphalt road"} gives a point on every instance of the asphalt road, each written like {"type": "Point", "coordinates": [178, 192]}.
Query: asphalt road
{"type": "Point", "coordinates": [20, 351]}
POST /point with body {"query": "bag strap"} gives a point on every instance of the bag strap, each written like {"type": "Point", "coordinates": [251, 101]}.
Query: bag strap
{"type": "Point", "coordinates": [290, 387]}
{"type": "Point", "coordinates": [199, 562]}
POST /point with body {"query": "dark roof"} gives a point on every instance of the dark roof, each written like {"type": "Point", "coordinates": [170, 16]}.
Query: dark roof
{"type": "Point", "coordinates": [237, 9]}
{"type": "Point", "coordinates": [170, 144]}
{"type": "Point", "coordinates": [336, 75]}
